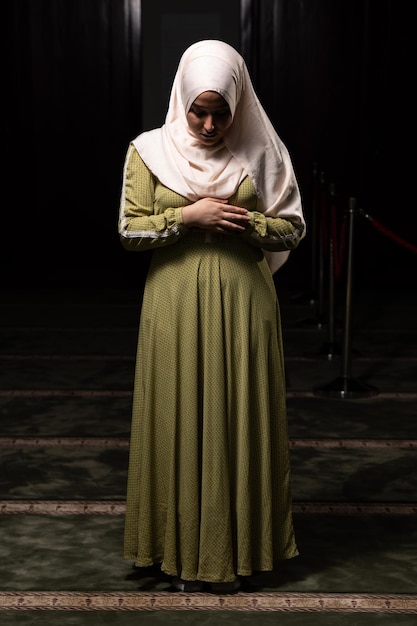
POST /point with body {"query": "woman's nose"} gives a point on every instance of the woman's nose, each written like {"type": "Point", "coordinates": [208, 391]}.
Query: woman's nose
{"type": "Point", "coordinates": [208, 123]}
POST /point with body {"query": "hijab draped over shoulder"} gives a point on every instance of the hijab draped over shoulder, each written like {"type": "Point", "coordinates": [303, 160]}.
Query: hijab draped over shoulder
{"type": "Point", "coordinates": [251, 146]}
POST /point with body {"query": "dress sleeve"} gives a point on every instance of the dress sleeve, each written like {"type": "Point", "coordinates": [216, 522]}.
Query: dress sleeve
{"type": "Point", "coordinates": [272, 233]}
{"type": "Point", "coordinates": [140, 227]}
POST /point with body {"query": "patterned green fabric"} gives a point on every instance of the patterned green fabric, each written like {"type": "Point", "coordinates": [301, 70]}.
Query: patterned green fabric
{"type": "Point", "coordinates": [208, 492]}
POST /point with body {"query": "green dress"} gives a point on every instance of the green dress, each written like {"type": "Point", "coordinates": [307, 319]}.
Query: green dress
{"type": "Point", "coordinates": [208, 493]}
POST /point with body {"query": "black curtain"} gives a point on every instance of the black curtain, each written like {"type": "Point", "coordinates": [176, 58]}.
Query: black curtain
{"type": "Point", "coordinates": [74, 102]}
{"type": "Point", "coordinates": [335, 78]}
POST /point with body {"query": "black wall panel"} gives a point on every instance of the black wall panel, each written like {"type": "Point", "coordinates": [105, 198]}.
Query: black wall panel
{"type": "Point", "coordinates": [74, 102]}
{"type": "Point", "coordinates": [335, 77]}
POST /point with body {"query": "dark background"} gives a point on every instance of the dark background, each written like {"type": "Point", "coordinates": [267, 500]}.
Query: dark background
{"type": "Point", "coordinates": [84, 77]}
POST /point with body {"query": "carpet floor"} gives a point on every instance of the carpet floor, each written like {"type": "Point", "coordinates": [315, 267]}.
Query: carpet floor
{"type": "Point", "coordinates": [67, 362]}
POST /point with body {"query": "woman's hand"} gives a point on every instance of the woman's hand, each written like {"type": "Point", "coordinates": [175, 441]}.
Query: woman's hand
{"type": "Point", "coordinates": [214, 215]}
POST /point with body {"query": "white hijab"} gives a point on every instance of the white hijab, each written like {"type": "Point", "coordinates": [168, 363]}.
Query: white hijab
{"type": "Point", "coordinates": [250, 147]}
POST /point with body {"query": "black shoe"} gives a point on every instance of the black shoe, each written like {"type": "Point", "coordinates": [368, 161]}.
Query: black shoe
{"type": "Point", "coordinates": [225, 588]}
{"type": "Point", "coordinates": [188, 586]}
{"type": "Point", "coordinates": [247, 586]}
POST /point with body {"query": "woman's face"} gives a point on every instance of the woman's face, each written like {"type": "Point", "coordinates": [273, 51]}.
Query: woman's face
{"type": "Point", "coordinates": [209, 118]}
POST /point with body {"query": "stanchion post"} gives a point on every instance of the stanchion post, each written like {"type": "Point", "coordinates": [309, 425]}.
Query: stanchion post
{"type": "Point", "coordinates": [347, 330]}
{"type": "Point", "coordinates": [330, 348]}
{"type": "Point", "coordinates": [314, 225]}
{"type": "Point", "coordinates": [318, 246]}
{"type": "Point", "coordinates": [345, 386]}
{"type": "Point", "coordinates": [321, 244]}
{"type": "Point", "coordinates": [314, 249]}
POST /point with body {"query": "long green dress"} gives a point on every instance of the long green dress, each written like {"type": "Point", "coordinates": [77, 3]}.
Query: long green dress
{"type": "Point", "coordinates": [208, 492]}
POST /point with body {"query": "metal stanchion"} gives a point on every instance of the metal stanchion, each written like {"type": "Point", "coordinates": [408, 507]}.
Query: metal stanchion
{"type": "Point", "coordinates": [318, 254]}
{"type": "Point", "coordinates": [311, 296]}
{"type": "Point", "coordinates": [321, 243]}
{"type": "Point", "coordinates": [331, 348]}
{"type": "Point", "coordinates": [315, 203]}
{"type": "Point", "coordinates": [345, 386]}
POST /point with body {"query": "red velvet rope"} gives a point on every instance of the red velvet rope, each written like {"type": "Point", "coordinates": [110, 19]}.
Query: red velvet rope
{"type": "Point", "coordinates": [385, 231]}
{"type": "Point", "coordinates": [328, 223]}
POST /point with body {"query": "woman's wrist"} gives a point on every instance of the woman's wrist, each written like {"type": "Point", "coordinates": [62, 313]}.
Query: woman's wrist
{"type": "Point", "coordinates": [187, 216]}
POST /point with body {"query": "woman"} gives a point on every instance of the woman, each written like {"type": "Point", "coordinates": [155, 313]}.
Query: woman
{"type": "Point", "coordinates": [213, 194]}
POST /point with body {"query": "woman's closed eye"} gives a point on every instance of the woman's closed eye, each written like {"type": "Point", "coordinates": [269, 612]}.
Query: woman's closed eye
{"type": "Point", "coordinates": [200, 113]}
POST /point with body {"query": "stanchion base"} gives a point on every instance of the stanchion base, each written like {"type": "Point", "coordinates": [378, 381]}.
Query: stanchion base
{"type": "Point", "coordinates": [346, 388]}
{"type": "Point", "coordinates": [305, 298]}
{"type": "Point", "coordinates": [330, 350]}
{"type": "Point", "coordinates": [317, 321]}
